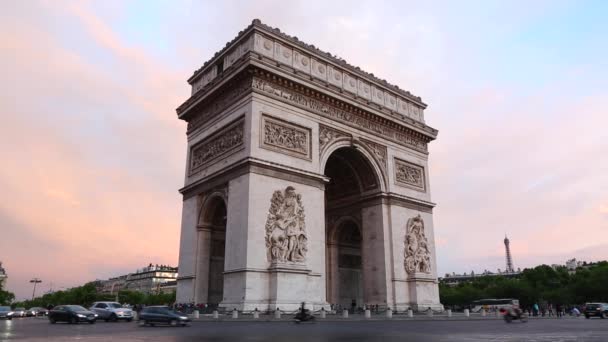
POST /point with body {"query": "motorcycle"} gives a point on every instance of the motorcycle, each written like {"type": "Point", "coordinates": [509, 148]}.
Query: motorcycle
{"type": "Point", "coordinates": [513, 314]}
{"type": "Point", "coordinates": [304, 316]}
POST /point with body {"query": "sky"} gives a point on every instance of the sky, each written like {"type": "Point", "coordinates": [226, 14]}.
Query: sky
{"type": "Point", "coordinates": [93, 153]}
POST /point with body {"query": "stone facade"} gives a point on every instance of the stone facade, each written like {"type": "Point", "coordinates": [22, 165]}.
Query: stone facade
{"type": "Point", "coordinates": [306, 181]}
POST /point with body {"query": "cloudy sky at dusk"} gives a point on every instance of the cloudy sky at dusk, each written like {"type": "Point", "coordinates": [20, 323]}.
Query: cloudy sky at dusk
{"type": "Point", "coordinates": [93, 153]}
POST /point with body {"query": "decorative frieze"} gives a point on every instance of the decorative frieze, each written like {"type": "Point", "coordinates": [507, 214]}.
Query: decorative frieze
{"type": "Point", "coordinates": [327, 135]}
{"type": "Point", "coordinates": [410, 175]}
{"type": "Point", "coordinates": [220, 144]}
{"type": "Point", "coordinates": [333, 110]}
{"type": "Point", "coordinates": [285, 137]}
{"type": "Point", "coordinates": [216, 105]}
{"type": "Point", "coordinates": [286, 239]}
{"type": "Point", "coordinates": [417, 253]}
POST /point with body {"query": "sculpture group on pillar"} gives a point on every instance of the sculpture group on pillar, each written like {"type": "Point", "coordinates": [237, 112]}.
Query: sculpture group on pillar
{"type": "Point", "coordinates": [285, 227]}
{"type": "Point", "coordinates": [417, 253]}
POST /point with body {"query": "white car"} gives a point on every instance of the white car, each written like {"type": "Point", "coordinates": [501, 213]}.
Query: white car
{"type": "Point", "coordinates": [112, 311]}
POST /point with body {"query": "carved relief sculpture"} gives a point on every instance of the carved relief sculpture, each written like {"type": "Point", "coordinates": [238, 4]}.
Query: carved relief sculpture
{"type": "Point", "coordinates": [218, 145]}
{"type": "Point", "coordinates": [409, 174]}
{"type": "Point", "coordinates": [379, 152]}
{"type": "Point", "coordinates": [417, 253]}
{"type": "Point", "coordinates": [286, 239]}
{"type": "Point", "coordinates": [285, 137]}
{"type": "Point", "coordinates": [328, 135]}
{"type": "Point", "coordinates": [337, 113]}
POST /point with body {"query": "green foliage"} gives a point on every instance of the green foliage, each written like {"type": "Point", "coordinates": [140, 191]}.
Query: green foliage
{"type": "Point", "coordinates": [536, 285]}
{"type": "Point", "coordinates": [6, 297]}
{"type": "Point", "coordinates": [87, 294]}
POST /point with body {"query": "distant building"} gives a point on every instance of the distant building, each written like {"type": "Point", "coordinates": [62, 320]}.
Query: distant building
{"type": "Point", "coordinates": [3, 276]}
{"type": "Point", "coordinates": [455, 279]}
{"type": "Point", "coordinates": [168, 287]}
{"type": "Point", "coordinates": [150, 279]}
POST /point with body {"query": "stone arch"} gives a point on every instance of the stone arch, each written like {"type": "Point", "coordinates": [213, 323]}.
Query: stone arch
{"type": "Point", "coordinates": [211, 247]}
{"type": "Point", "coordinates": [347, 142]}
{"type": "Point", "coordinates": [333, 233]}
{"type": "Point", "coordinates": [209, 205]}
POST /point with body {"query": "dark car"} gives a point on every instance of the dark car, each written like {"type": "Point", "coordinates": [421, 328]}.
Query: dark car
{"type": "Point", "coordinates": [6, 312]}
{"type": "Point", "coordinates": [36, 311]}
{"type": "Point", "coordinates": [162, 315]}
{"type": "Point", "coordinates": [72, 314]}
{"type": "Point", "coordinates": [596, 310]}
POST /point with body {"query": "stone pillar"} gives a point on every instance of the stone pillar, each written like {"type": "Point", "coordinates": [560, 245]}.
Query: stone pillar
{"type": "Point", "coordinates": [466, 313]}
{"type": "Point", "coordinates": [368, 313]}
{"type": "Point", "coordinates": [374, 256]}
{"type": "Point", "coordinates": [389, 313]}
{"type": "Point", "coordinates": [216, 314]}
{"type": "Point", "coordinates": [332, 274]}
{"type": "Point", "coordinates": [187, 251]}
{"type": "Point", "coordinates": [449, 311]}
{"type": "Point", "coordinates": [344, 313]}
{"type": "Point", "coordinates": [323, 313]}
{"type": "Point", "coordinates": [410, 313]}
{"type": "Point", "coordinates": [202, 264]}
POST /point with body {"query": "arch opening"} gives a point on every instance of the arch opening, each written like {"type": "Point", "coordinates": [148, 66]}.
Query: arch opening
{"type": "Point", "coordinates": [212, 247]}
{"type": "Point", "coordinates": [352, 178]}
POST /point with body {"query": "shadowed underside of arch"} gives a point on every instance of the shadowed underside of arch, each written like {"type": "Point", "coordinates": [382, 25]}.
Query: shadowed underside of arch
{"type": "Point", "coordinates": [350, 174]}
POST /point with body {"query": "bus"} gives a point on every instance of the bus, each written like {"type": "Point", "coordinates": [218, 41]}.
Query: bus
{"type": "Point", "coordinates": [494, 304]}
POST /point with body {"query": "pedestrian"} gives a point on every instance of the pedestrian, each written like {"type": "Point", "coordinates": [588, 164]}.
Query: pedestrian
{"type": "Point", "coordinates": [535, 309]}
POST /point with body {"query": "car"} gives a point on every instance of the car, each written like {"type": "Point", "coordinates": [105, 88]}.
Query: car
{"type": "Point", "coordinates": [72, 314]}
{"type": "Point", "coordinates": [596, 310]}
{"type": "Point", "coordinates": [19, 312]}
{"type": "Point", "coordinates": [6, 312]}
{"type": "Point", "coordinates": [152, 315]}
{"type": "Point", "coordinates": [36, 311]}
{"type": "Point", "coordinates": [112, 311]}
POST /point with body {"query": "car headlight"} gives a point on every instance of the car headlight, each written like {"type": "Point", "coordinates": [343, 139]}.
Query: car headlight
{"type": "Point", "coordinates": [10, 313]}
{"type": "Point", "coordinates": [81, 316]}
{"type": "Point", "coordinates": [183, 317]}
{"type": "Point", "coordinates": [96, 315]}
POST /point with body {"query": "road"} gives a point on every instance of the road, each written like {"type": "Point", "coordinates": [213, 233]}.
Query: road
{"type": "Point", "coordinates": [38, 329]}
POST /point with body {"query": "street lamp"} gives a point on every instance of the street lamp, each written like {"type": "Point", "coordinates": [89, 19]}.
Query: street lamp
{"type": "Point", "coordinates": [35, 281]}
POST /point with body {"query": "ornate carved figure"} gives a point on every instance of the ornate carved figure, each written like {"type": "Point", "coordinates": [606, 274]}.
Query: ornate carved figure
{"type": "Point", "coordinates": [327, 135]}
{"type": "Point", "coordinates": [285, 227]}
{"type": "Point", "coordinates": [417, 253]}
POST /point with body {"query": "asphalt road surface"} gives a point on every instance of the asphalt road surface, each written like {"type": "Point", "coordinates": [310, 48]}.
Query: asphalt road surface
{"type": "Point", "coordinates": [39, 329]}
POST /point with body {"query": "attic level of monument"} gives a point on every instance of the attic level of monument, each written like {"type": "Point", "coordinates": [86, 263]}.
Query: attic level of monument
{"type": "Point", "coordinates": [256, 24]}
{"type": "Point", "coordinates": [255, 79]}
{"type": "Point", "coordinates": [286, 56]}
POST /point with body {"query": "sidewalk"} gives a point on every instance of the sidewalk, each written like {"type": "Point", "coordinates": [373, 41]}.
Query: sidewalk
{"type": "Point", "coordinates": [458, 316]}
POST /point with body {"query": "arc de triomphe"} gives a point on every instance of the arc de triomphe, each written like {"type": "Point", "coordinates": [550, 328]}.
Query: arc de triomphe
{"type": "Point", "coordinates": [306, 180]}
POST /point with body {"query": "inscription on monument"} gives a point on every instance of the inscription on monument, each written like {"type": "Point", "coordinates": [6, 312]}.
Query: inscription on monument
{"type": "Point", "coordinates": [285, 137]}
{"type": "Point", "coordinates": [286, 239]}
{"type": "Point", "coordinates": [220, 144]}
{"type": "Point", "coordinates": [417, 253]}
{"type": "Point", "coordinates": [410, 175]}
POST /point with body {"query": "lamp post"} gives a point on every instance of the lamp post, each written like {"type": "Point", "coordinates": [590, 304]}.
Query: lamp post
{"type": "Point", "coordinates": [35, 281]}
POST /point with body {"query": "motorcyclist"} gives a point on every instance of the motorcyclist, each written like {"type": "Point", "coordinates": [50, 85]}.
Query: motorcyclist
{"type": "Point", "coordinates": [303, 314]}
